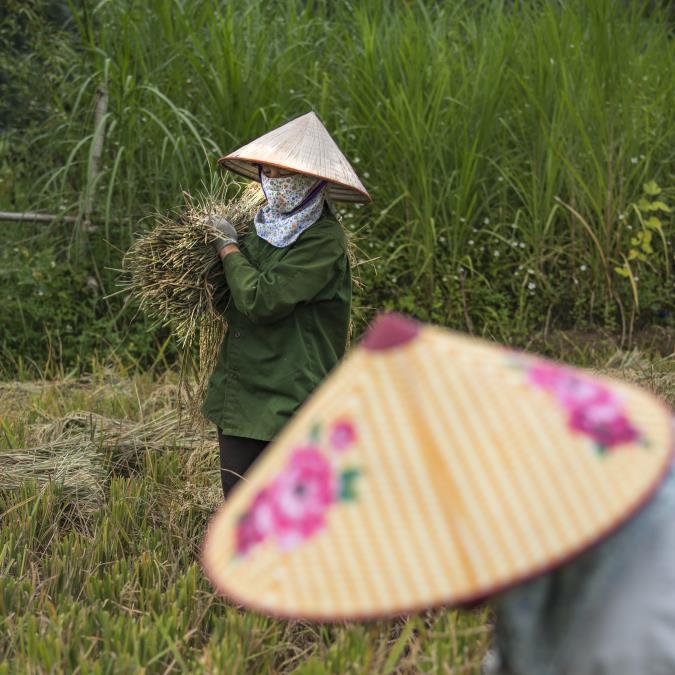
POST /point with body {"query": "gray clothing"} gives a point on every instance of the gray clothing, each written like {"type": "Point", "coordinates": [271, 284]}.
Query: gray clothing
{"type": "Point", "coordinates": [611, 611]}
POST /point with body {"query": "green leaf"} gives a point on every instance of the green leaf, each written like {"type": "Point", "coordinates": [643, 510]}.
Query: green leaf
{"type": "Point", "coordinates": [651, 188]}
{"type": "Point", "coordinates": [347, 479]}
{"type": "Point", "coordinates": [643, 204]}
{"type": "Point", "coordinates": [622, 271]}
{"type": "Point", "coordinates": [632, 254]}
{"type": "Point", "coordinates": [653, 223]}
{"type": "Point", "coordinates": [315, 433]}
{"type": "Point", "coordinates": [660, 206]}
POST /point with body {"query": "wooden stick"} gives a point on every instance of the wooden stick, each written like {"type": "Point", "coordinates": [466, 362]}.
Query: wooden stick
{"type": "Point", "coordinates": [35, 217]}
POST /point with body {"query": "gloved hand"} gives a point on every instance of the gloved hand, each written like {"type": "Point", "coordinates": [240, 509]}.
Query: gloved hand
{"type": "Point", "coordinates": [227, 234]}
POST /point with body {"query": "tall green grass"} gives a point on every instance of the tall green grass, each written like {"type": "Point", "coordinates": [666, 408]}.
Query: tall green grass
{"type": "Point", "coordinates": [504, 143]}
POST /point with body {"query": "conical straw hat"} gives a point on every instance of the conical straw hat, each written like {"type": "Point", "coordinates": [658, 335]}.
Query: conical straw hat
{"type": "Point", "coordinates": [434, 469]}
{"type": "Point", "coordinates": [302, 145]}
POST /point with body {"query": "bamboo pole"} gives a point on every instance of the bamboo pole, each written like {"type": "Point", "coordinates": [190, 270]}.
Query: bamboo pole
{"type": "Point", "coordinates": [92, 174]}
{"type": "Point", "coordinates": [35, 217]}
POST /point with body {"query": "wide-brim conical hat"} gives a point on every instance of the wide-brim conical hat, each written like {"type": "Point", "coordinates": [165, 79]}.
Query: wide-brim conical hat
{"type": "Point", "coordinates": [302, 145]}
{"type": "Point", "coordinates": [434, 469]}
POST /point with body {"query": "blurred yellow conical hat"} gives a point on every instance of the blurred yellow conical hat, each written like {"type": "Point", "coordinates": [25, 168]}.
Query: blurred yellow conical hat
{"type": "Point", "coordinates": [302, 145]}
{"type": "Point", "coordinates": [434, 469]}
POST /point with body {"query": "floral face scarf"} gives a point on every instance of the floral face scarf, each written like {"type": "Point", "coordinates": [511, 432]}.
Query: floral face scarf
{"type": "Point", "coordinates": [293, 204]}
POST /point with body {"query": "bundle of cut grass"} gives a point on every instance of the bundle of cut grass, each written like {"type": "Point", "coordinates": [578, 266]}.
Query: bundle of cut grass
{"type": "Point", "coordinates": [123, 440]}
{"type": "Point", "coordinates": [77, 470]}
{"type": "Point", "coordinates": [176, 275]}
{"type": "Point", "coordinates": [78, 451]}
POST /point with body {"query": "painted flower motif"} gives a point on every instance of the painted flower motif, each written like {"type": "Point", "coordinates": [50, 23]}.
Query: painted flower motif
{"type": "Point", "coordinates": [301, 497]}
{"type": "Point", "coordinates": [342, 435]}
{"type": "Point", "coordinates": [293, 507]}
{"type": "Point", "coordinates": [568, 387]}
{"type": "Point", "coordinates": [256, 523]}
{"type": "Point", "coordinates": [592, 408]}
{"type": "Point", "coordinates": [605, 422]}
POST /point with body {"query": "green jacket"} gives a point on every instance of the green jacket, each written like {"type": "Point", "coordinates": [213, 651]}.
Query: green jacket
{"type": "Point", "coordinates": [288, 322]}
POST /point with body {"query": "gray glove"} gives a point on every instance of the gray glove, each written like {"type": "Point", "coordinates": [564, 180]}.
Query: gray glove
{"type": "Point", "coordinates": [227, 234]}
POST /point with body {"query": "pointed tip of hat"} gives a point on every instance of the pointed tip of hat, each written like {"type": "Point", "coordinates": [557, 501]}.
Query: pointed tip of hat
{"type": "Point", "coordinates": [390, 330]}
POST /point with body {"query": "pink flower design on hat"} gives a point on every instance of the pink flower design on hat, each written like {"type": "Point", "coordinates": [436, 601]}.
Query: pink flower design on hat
{"type": "Point", "coordinates": [342, 435]}
{"type": "Point", "coordinates": [605, 422]}
{"type": "Point", "coordinates": [256, 523]}
{"type": "Point", "coordinates": [592, 408]}
{"type": "Point", "coordinates": [294, 505]}
{"type": "Point", "coordinates": [301, 496]}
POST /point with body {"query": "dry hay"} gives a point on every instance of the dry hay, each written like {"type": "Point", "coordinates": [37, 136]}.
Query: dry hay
{"type": "Point", "coordinates": [74, 451]}
{"type": "Point", "coordinates": [175, 274]}
{"type": "Point", "coordinates": [77, 470]}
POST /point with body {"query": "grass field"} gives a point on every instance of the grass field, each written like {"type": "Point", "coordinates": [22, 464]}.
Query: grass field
{"type": "Point", "coordinates": [108, 581]}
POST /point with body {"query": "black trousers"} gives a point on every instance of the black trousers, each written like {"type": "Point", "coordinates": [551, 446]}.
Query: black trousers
{"type": "Point", "coordinates": [236, 456]}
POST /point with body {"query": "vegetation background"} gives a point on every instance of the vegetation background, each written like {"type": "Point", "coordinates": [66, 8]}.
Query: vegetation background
{"type": "Point", "coordinates": [507, 146]}
{"type": "Point", "coordinates": [520, 154]}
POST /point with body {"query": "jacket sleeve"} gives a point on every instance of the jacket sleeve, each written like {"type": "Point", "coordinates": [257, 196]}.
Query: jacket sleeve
{"type": "Point", "coordinates": [308, 266]}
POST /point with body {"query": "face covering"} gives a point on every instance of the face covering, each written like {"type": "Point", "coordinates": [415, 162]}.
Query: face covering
{"type": "Point", "coordinates": [293, 204]}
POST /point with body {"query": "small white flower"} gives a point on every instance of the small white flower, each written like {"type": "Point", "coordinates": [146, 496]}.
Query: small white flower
{"type": "Point", "coordinates": [445, 278]}
{"type": "Point", "coordinates": [637, 279]}
{"type": "Point", "coordinates": [366, 174]}
{"type": "Point", "coordinates": [629, 227]}
{"type": "Point", "coordinates": [442, 240]}
{"type": "Point", "coordinates": [500, 179]}
{"type": "Point", "coordinates": [486, 221]}
{"type": "Point", "coordinates": [496, 254]}
{"type": "Point", "coordinates": [621, 216]}
{"type": "Point", "coordinates": [522, 244]}
{"type": "Point", "coordinates": [529, 271]}
{"type": "Point", "coordinates": [642, 156]}
{"type": "Point", "coordinates": [576, 282]}
{"type": "Point", "coordinates": [514, 244]}
{"type": "Point", "coordinates": [357, 160]}
{"type": "Point", "coordinates": [571, 46]}
{"type": "Point", "coordinates": [551, 61]}
{"type": "Point", "coordinates": [291, 91]}
{"type": "Point", "coordinates": [633, 160]}
{"type": "Point", "coordinates": [531, 285]}
{"type": "Point", "coordinates": [351, 137]}
{"type": "Point", "coordinates": [582, 268]}
{"type": "Point", "coordinates": [471, 242]}
{"type": "Point", "coordinates": [520, 267]}
{"type": "Point", "coordinates": [462, 220]}
{"type": "Point", "coordinates": [391, 244]}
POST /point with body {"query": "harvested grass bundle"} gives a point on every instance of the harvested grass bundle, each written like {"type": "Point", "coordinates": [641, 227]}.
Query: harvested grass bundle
{"type": "Point", "coordinates": [77, 470]}
{"type": "Point", "coordinates": [176, 275]}
{"type": "Point", "coordinates": [79, 450]}
{"type": "Point", "coordinates": [123, 440]}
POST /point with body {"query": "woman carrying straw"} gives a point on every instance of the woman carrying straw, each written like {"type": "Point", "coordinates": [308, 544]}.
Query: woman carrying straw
{"type": "Point", "coordinates": [290, 286]}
